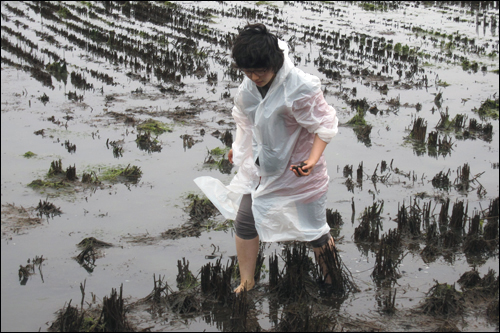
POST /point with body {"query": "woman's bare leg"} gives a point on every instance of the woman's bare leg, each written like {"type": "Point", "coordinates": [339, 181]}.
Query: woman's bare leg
{"type": "Point", "coordinates": [319, 258]}
{"type": "Point", "coordinates": [247, 251]}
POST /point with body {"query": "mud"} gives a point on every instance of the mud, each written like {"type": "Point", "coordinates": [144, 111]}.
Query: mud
{"type": "Point", "coordinates": [17, 218]}
{"type": "Point", "coordinates": [117, 97]}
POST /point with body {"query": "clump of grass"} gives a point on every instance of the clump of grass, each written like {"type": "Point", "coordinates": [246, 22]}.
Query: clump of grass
{"type": "Point", "coordinates": [38, 184]}
{"type": "Point", "coordinates": [227, 139]}
{"type": "Point", "coordinates": [145, 142]}
{"type": "Point", "coordinates": [219, 151]}
{"type": "Point", "coordinates": [488, 108]}
{"type": "Point", "coordinates": [441, 180]}
{"type": "Point", "coordinates": [130, 173]}
{"type": "Point", "coordinates": [155, 126]}
{"type": "Point", "coordinates": [443, 83]}
{"type": "Point", "coordinates": [265, 3]}
{"type": "Point", "coordinates": [459, 121]}
{"type": "Point", "coordinates": [216, 280]}
{"type": "Point", "coordinates": [59, 70]}
{"type": "Point", "coordinates": [370, 226]}
{"type": "Point", "coordinates": [386, 263]}
{"type": "Point", "coordinates": [444, 123]}
{"type": "Point", "coordinates": [63, 12]}
{"type": "Point", "coordinates": [218, 226]}
{"type": "Point", "coordinates": [492, 310]}
{"type": "Point", "coordinates": [90, 178]}
{"type": "Point", "coordinates": [185, 278]}
{"type": "Point", "coordinates": [170, 4]}
{"type": "Point", "coordinates": [394, 102]}
{"type": "Point", "coordinates": [200, 208]}
{"type": "Point", "coordinates": [443, 299]}
{"type": "Point", "coordinates": [397, 48]}
{"type": "Point", "coordinates": [48, 209]}
{"type": "Point", "coordinates": [372, 7]}
{"type": "Point", "coordinates": [358, 119]}
{"type": "Point", "coordinates": [361, 105]}
{"type": "Point", "coordinates": [419, 130]}
{"type": "Point", "coordinates": [291, 282]}
{"type": "Point", "coordinates": [29, 154]}
{"type": "Point", "coordinates": [334, 219]}
{"type": "Point", "coordinates": [406, 49]}
{"type": "Point", "coordinates": [466, 65]}
{"type": "Point", "coordinates": [44, 98]}
{"type": "Point", "coordinates": [110, 317]}
{"type": "Point", "coordinates": [219, 161]}
{"type": "Point", "coordinates": [92, 241]}
{"type": "Point", "coordinates": [55, 168]}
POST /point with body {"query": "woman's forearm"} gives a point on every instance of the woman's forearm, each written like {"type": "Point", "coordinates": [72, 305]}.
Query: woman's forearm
{"type": "Point", "coordinates": [317, 150]}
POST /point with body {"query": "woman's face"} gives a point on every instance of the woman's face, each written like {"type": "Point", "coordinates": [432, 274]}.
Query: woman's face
{"type": "Point", "coordinates": [260, 76]}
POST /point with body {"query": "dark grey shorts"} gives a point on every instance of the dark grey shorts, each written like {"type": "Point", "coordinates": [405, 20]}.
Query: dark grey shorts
{"type": "Point", "coordinates": [245, 224]}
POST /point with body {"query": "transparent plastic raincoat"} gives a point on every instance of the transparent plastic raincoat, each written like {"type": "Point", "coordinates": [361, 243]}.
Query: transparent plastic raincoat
{"type": "Point", "coordinates": [279, 131]}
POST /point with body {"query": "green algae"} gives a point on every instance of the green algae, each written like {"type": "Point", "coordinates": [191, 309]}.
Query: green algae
{"type": "Point", "coordinates": [155, 126]}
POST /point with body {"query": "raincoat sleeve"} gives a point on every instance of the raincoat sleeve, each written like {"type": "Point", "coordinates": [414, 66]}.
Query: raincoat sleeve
{"type": "Point", "coordinates": [246, 178]}
{"type": "Point", "coordinates": [242, 145]}
{"type": "Point", "coordinates": [312, 112]}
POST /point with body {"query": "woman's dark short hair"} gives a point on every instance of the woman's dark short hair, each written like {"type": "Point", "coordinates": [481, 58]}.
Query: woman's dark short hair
{"type": "Point", "coordinates": [255, 47]}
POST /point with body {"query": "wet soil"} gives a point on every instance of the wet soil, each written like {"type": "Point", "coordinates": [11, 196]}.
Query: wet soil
{"type": "Point", "coordinates": [110, 109]}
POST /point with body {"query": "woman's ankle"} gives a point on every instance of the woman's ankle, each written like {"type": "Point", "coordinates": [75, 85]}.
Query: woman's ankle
{"type": "Point", "coordinates": [245, 284]}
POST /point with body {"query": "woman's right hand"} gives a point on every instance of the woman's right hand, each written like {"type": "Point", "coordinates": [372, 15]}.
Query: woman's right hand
{"type": "Point", "coordinates": [230, 155]}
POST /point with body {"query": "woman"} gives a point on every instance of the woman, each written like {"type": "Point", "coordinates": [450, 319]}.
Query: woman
{"type": "Point", "coordinates": [282, 120]}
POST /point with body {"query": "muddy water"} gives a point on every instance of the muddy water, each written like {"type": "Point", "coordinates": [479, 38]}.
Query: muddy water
{"type": "Point", "coordinates": [157, 72]}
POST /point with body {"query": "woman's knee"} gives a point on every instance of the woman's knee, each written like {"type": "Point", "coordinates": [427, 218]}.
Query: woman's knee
{"type": "Point", "coordinates": [322, 241]}
{"type": "Point", "coordinates": [244, 224]}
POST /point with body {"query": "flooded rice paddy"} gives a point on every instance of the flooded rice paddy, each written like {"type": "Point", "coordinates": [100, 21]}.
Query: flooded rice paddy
{"type": "Point", "coordinates": [111, 109]}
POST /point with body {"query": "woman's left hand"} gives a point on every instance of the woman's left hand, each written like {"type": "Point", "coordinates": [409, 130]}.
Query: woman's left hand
{"type": "Point", "coordinates": [304, 170]}
{"type": "Point", "coordinates": [316, 152]}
